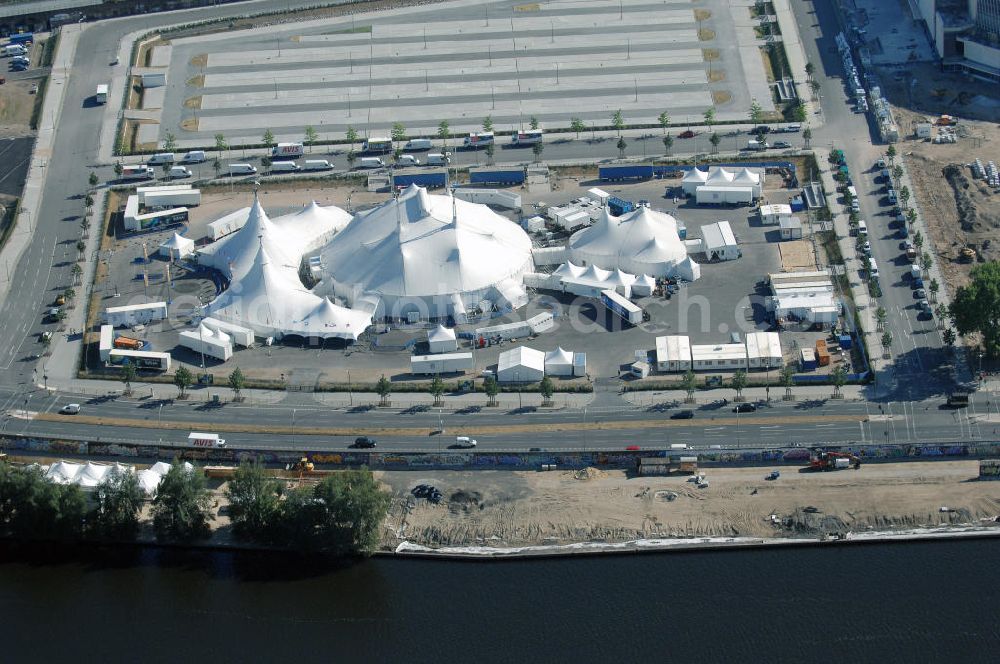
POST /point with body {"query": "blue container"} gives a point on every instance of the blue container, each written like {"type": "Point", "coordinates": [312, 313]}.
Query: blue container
{"type": "Point", "coordinates": [496, 177]}
{"type": "Point", "coordinates": [682, 231]}
{"type": "Point", "coordinates": [845, 341]}
{"type": "Point", "coordinates": [797, 204]}
{"type": "Point", "coordinates": [429, 180]}
{"type": "Point", "coordinates": [612, 173]}
{"type": "Point", "coordinates": [619, 206]}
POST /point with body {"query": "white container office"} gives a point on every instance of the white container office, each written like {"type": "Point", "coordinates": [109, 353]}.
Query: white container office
{"type": "Point", "coordinates": [135, 314]}
{"type": "Point", "coordinates": [440, 364]}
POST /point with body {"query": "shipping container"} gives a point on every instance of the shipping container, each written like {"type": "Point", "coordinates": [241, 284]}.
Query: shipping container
{"type": "Point", "coordinates": [628, 311]}
{"type": "Point", "coordinates": [613, 173]}
{"type": "Point", "coordinates": [492, 176]}
{"type": "Point", "coordinates": [443, 363]}
{"type": "Point", "coordinates": [431, 180]}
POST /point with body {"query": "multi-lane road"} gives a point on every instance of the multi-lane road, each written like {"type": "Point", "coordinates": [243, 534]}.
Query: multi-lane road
{"type": "Point", "coordinates": [908, 412]}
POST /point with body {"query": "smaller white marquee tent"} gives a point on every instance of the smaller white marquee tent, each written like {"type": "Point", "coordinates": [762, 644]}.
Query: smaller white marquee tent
{"type": "Point", "coordinates": [559, 362]}
{"type": "Point", "coordinates": [176, 247]}
{"type": "Point", "coordinates": [521, 365]}
{"type": "Point", "coordinates": [441, 340]}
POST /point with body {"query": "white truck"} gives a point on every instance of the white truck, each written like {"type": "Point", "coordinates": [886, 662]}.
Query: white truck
{"type": "Point", "coordinates": [196, 439]}
{"type": "Point", "coordinates": [529, 137]}
{"type": "Point", "coordinates": [439, 159]}
{"type": "Point", "coordinates": [479, 140]}
{"type": "Point", "coordinates": [756, 145]}
{"type": "Point", "coordinates": [101, 97]}
{"type": "Point", "coordinates": [287, 150]}
{"type": "Point", "coordinates": [138, 172]}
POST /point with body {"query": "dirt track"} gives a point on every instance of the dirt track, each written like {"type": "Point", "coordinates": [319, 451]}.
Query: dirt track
{"type": "Point", "coordinates": [503, 508]}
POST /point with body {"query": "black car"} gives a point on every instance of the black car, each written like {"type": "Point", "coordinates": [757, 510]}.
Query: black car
{"type": "Point", "coordinates": [364, 441]}
{"type": "Point", "coordinates": [745, 408]}
{"type": "Point", "coordinates": [682, 415]}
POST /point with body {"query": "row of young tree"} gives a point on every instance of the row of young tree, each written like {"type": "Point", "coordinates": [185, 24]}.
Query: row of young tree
{"type": "Point", "coordinates": [786, 378]}
{"type": "Point", "coordinates": [342, 514]}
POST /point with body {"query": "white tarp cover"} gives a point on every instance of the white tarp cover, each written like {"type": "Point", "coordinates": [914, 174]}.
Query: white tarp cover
{"type": "Point", "coordinates": [417, 250]}
{"type": "Point", "coordinates": [643, 241]}
{"type": "Point", "coordinates": [314, 225]}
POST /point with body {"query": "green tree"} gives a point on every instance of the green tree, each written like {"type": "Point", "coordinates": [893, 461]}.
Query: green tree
{"type": "Point", "coordinates": [352, 137]}
{"type": "Point", "coordinates": [788, 380]}
{"type": "Point", "coordinates": [182, 506]}
{"type": "Point", "coordinates": [88, 201]}
{"type": "Point", "coordinates": [756, 113]}
{"type": "Point", "coordinates": [799, 112]}
{"type": "Point", "coordinates": [714, 140]}
{"type": "Point", "coordinates": [265, 163]}
{"type": "Point", "coordinates": [738, 382]}
{"type": "Point", "coordinates": [709, 116]}
{"type": "Point", "coordinates": [119, 169]}
{"type": "Point", "coordinates": [533, 122]}
{"type": "Point", "coordinates": [934, 287]}
{"type": "Point", "coordinates": [621, 147]}
{"type": "Point", "coordinates": [236, 382]}
{"type": "Point", "coordinates": [926, 262]}
{"type": "Point", "coordinates": [127, 375]}
{"type": "Point", "coordinates": [268, 138]}
{"type": "Point", "coordinates": [618, 121]}
{"type": "Point", "coordinates": [398, 132]}
{"type": "Point", "coordinates": [220, 144]}
{"type": "Point", "coordinates": [886, 342]}
{"type": "Point", "coordinates": [217, 166]}
{"type": "Point", "coordinates": [118, 501]}
{"type": "Point", "coordinates": [577, 125]}
{"type": "Point", "coordinates": [81, 247]}
{"type": "Point", "coordinates": [169, 142]}
{"type": "Point", "coordinates": [839, 378]}
{"type": "Point", "coordinates": [807, 135]}
{"type": "Point", "coordinates": [975, 308]}
{"type": "Point", "coordinates": [810, 69]}
{"type": "Point", "coordinates": [31, 507]}
{"type": "Point", "coordinates": [880, 317]}
{"type": "Point", "coordinates": [342, 514]}
{"type": "Point", "coordinates": [689, 382]}
{"type": "Point", "coordinates": [948, 337]}
{"type": "Point", "coordinates": [488, 123]}
{"type": "Point", "coordinates": [941, 312]}
{"type": "Point", "coordinates": [904, 196]}
{"type": "Point", "coordinates": [183, 380]}
{"type": "Point", "coordinates": [93, 179]}
{"type": "Point", "coordinates": [311, 136]}
{"type": "Point", "coordinates": [444, 131]}
{"type": "Point", "coordinates": [918, 240]}
{"type": "Point", "coordinates": [546, 388]}
{"type": "Point", "coordinates": [897, 172]}
{"type": "Point", "coordinates": [890, 153]}
{"type": "Point", "coordinates": [537, 150]}
{"type": "Point", "coordinates": [490, 152]}
{"type": "Point", "coordinates": [383, 388]}
{"type": "Point", "coordinates": [437, 389]}
{"type": "Point", "coordinates": [254, 503]}
{"type": "Point", "coordinates": [664, 120]}
{"type": "Point", "coordinates": [668, 144]}
{"type": "Point", "coordinates": [492, 388]}
{"type": "Point", "coordinates": [911, 216]}
{"type": "Point", "coordinates": [352, 157]}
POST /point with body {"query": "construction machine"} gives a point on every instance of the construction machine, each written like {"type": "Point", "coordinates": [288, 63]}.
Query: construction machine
{"type": "Point", "coordinates": [834, 461]}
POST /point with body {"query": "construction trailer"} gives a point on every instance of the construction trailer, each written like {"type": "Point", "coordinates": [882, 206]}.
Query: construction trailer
{"type": "Point", "coordinates": [441, 364]}
{"type": "Point", "coordinates": [135, 314]}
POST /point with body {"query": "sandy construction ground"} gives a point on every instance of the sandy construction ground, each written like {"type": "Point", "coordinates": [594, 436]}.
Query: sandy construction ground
{"type": "Point", "coordinates": [505, 508]}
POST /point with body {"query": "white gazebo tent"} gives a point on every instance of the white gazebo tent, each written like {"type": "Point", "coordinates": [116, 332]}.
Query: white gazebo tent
{"type": "Point", "coordinates": [441, 340]}
{"type": "Point", "coordinates": [176, 247]}
{"type": "Point", "coordinates": [521, 365]}
{"type": "Point", "coordinates": [559, 362]}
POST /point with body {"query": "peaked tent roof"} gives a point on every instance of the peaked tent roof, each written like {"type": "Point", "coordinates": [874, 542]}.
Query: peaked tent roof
{"type": "Point", "coordinates": [695, 175]}
{"type": "Point", "coordinates": [559, 356]}
{"type": "Point", "coordinates": [234, 254]}
{"type": "Point", "coordinates": [420, 245]}
{"type": "Point", "coordinates": [441, 333]}
{"type": "Point", "coordinates": [313, 221]}
{"type": "Point", "coordinates": [643, 241]}
{"type": "Point", "coordinates": [178, 242]}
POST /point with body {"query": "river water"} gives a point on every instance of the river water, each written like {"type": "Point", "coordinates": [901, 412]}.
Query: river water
{"type": "Point", "coordinates": [922, 602]}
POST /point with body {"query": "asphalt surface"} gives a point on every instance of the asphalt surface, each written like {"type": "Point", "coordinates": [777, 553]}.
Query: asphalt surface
{"type": "Point", "coordinates": [15, 155]}
{"type": "Point", "coordinates": [44, 269]}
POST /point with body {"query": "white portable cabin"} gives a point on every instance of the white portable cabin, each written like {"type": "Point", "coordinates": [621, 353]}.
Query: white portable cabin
{"type": "Point", "coordinates": [107, 342]}
{"type": "Point", "coordinates": [764, 350]}
{"type": "Point", "coordinates": [204, 340]}
{"type": "Point", "coordinates": [599, 196]}
{"type": "Point", "coordinates": [439, 364]}
{"type": "Point", "coordinates": [723, 195]}
{"type": "Point", "coordinates": [521, 365]}
{"type": "Point", "coordinates": [673, 353]}
{"type": "Point", "coordinates": [579, 364]}
{"type": "Point", "coordinates": [441, 340]}
{"type": "Point", "coordinates": [135, 314]}
{"type": "Point", "coordinates": [154, 80]}
{"type": "Point", "coordinates": [771, 215]}
{"type": "Point", "coordinates": [790, 228]}
{"type": "Point", "coordinates": [718, 357]}
{"type": "Point", "coordinates": [719, 242]}
{"type": "Point", "coordinates": [497, 197]}
{"type": "Point", "coordinates": [242, 336]}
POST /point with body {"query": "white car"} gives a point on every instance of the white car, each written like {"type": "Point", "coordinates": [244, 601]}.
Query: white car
{"type": "Point", "coordinates": [464, 441]}
{"type": "Point", "coordinates": [70, 409]}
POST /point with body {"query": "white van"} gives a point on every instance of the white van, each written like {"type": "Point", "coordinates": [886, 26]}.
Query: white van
{"type": "Point", "coordinates": [862, 228]}
{"type": "Point", "coordinates": [179, 172]}
{"type": "Point", "coordinates": [194, 157]}
{"type": "Point", "coordinates": [439, 159]}
{"type": "Point", "coordinates": [418, 145]}
{"type": "Point", "coordinates": [162, 158]}
{"type": "Point", "coordinates": [196, 439]}
{"type": "Point", "coordinates": [242, 169]}
{"type": "Point", "coordinates": [407, 160]}
{"type": "Point", "coordinates": [317, 165]}
{"type": "Point", "coordinates": [464, 441]}
{"type": "Point", "coordinates": [874, 269]}
{"type": "Point", "coordinates": [371, 162]}
{"type": "Point", "coordinates": [680, 446]}
{"type": "Point", "coordinates": [284, 167]}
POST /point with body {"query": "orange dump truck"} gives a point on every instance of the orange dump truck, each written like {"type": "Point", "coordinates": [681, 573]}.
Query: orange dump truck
{"type": "Point", "coordinates": [128, 343]}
